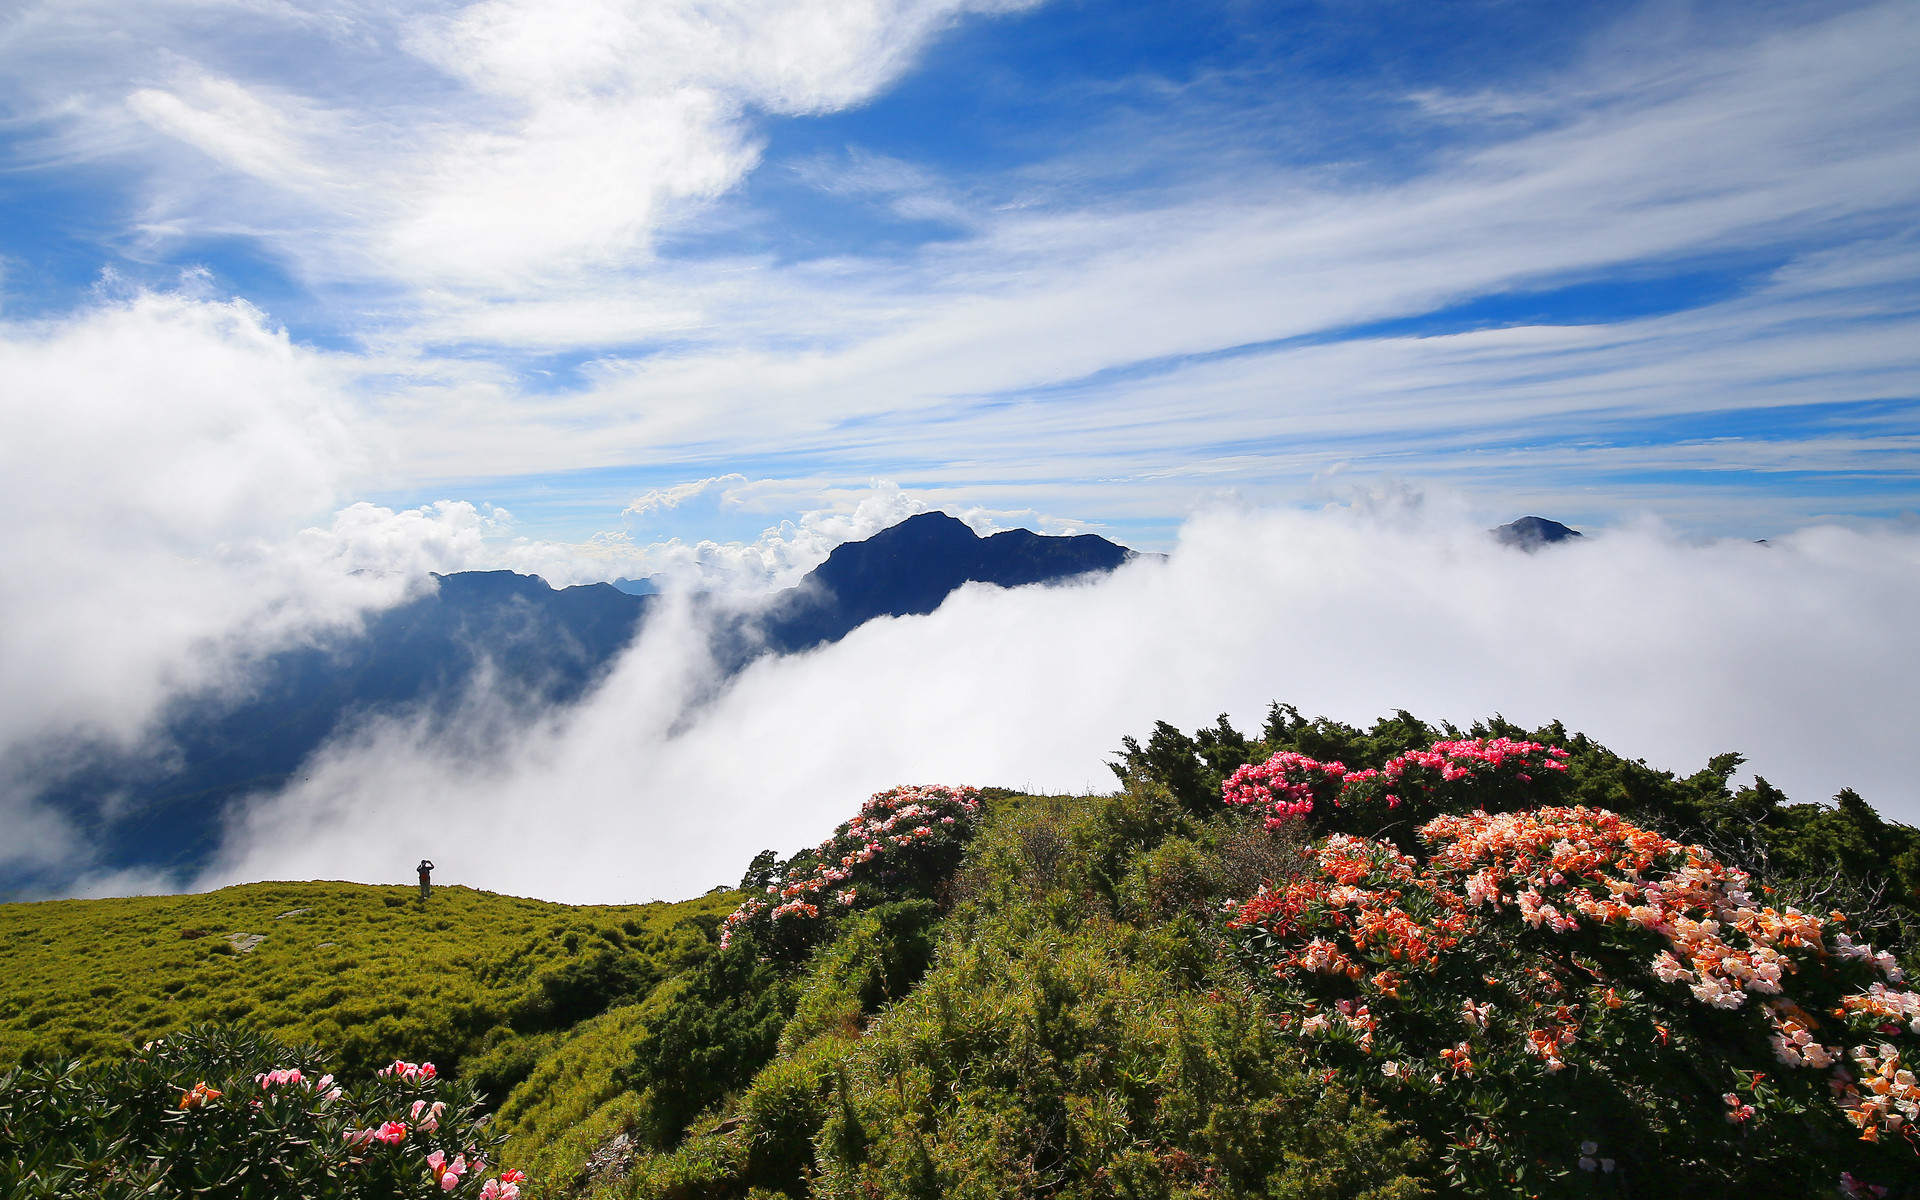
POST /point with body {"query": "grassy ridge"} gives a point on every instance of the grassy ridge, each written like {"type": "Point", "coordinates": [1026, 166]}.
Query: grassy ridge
{"type": "Point", "coordinates": [474, 981]}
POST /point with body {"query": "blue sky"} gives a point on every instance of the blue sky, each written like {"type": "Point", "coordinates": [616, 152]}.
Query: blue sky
{"type": "Point", "coordinates": [1071, 265]}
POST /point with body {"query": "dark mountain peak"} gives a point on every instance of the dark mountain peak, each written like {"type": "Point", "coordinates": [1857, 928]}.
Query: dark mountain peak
{"type": "Point", "coordinates": [908, 569]}
{"type": "Point", "coordinates": [1531, 533]}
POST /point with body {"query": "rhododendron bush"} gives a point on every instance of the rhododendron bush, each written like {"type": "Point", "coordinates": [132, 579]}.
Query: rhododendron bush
{"type": "Point", "coordinates": [230, 1114]}
{"type": "Point", "coordinates": [1489, 773]}
{"type": "Point", "coordinates": [904, 843]}
{"type": "Point", "coordinates": [1559, 993]}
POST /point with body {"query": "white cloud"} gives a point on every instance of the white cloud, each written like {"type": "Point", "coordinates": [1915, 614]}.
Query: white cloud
{"type": "Point", "coordinates": [497, 147]}
{"type": "Point", "coordinates": [1795, 654]}
{"type": "Point", "coordinates": [161, 458]}
{"type": "Point", "coordinates": [1082, 342]}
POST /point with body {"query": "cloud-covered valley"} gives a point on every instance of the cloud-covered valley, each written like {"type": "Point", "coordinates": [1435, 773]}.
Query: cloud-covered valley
{"type": "Point", "coordinates": [1794, 653]}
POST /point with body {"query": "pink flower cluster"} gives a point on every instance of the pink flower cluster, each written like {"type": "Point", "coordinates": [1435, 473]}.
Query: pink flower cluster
{"type": "Point", "coordinates": [1286, 783]}
{"type": "Point", "coordinates": [446, 1174]}
{"type": "Point", "coordinates": [391, 1133]}
{"type": "Point", "coordinates": [407, 1072]}
{"type": "Point", "coordinates": [1289, 784]}
{"type": "Point", "coordinates": [425, 1117]}
{"type": "Point", "coordinates": [890, 825]}
{"type": "Point", "coordinates": [507, 1187]}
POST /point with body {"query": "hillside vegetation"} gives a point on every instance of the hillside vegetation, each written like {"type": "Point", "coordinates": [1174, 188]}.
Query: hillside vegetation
{"type": "Point", "coordinates": [1315, 961]}
{"type": "Point", "coordinates": [476, 982]}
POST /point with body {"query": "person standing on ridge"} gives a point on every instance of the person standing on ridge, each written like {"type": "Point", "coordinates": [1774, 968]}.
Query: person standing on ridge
{"type": "Point", "coordinates": [426, 877]}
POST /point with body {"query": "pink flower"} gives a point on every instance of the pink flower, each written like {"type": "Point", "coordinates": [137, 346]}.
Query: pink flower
{"type": "Point", "coordinates": [446, 1174]}
{"type": "Point", "coordinates": [392, 1133]}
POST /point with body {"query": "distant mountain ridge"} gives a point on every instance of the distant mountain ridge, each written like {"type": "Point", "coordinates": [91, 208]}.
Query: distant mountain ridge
{"type": "Point", "coordinates": [535, 646]}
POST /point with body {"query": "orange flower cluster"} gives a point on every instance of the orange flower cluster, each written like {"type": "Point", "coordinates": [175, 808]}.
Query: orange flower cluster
{"type": "Point", "coordinates": [1600, 867]}
{"type": "Point", "coordinates": [1370, 918]}
{"type": "Point", "coordinates": [1374, 918]}
{"type": "Point", "coordinates": [197, 1096]}
{"type": "Point", "coordinates": [1885, 1097]}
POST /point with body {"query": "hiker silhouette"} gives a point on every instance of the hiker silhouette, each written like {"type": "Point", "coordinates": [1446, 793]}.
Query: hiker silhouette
{"type": "Point", "coordinates": [426, 877]}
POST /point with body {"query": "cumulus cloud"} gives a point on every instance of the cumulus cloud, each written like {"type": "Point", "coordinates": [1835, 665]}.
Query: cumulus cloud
{"type": "Point", "coordinates": [153, 449]}
{"type": "Point", "coordinates": [1793, 653]}
{"type": "Point", "coordinates": [167, 469]}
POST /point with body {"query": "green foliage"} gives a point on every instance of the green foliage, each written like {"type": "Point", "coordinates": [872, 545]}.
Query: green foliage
{"type": "Point", "coordinates": [1069, 1063]}
{"type": "Point", "coordinates": [465, 979]}
{"type": "Point", "coordinates": [188, 1116]}
{"type": "Point", "coordinates": [723, 1026]}
{"type": "Point", "coordinates": [1050, 1050]}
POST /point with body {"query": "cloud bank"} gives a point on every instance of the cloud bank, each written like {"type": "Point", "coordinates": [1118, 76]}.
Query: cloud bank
{"type": "Point", "coordinates": [1794, 653]}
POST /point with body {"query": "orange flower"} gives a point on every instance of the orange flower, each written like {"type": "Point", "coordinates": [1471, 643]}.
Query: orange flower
{"type": "Point", "coordinates": [197, 1096]}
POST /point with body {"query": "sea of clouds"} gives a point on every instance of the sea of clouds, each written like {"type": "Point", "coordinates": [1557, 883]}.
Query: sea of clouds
{"type": "Point", "coordinates": [1796, 653]}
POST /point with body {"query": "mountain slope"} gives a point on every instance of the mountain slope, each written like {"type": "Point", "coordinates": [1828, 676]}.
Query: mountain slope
{"type": "Point", "coordinates": [471, 980]}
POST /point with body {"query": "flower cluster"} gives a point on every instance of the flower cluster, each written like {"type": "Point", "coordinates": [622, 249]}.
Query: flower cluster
{"type": "Point", "coordinates": [423, 1118]}
{"type": "Point", "coordinates": [447, 1174]}
{"type": "Point", "coordinates": [1562, 935]}
{"type": "Point", "coordinates": [224, 1111]}
{"type": "Point", "coordinates": [406, 1072]}
{"type": "Point", "coordinates": [1556, 865]}
{"type": "Point", "coordinates": [1289, 785]}
{"type": "Point", "coordinates": [896, 835]}
{"type": "Point", "coordinates": [1885, 1097]}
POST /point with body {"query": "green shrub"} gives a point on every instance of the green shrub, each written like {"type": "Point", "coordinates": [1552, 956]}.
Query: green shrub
{"type": "Point", "coordinates": [724, 1024]}
{"type": "Point", "coordinates": [233, 1115]}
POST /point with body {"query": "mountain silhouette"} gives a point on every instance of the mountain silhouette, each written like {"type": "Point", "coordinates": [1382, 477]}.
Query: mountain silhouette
{"type": "Point", "coordinates": [1531, 533]}
{"type": "Point", "coordinates": [910, 568]}
{"type": "Point", "coordinates": [531, 646]}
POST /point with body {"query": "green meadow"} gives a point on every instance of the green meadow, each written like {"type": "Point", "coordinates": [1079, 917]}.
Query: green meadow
{"type": "Point", "coordinates": [471, 980]}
